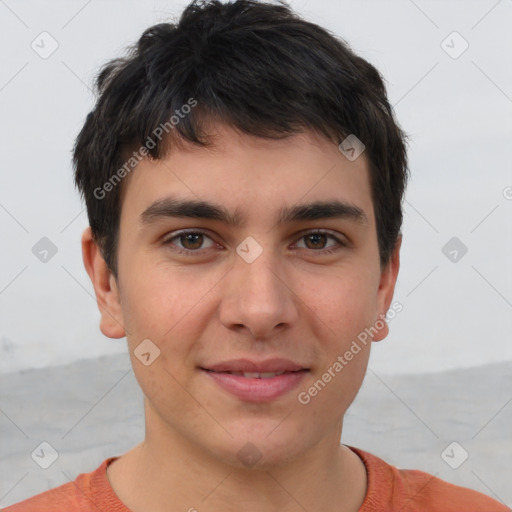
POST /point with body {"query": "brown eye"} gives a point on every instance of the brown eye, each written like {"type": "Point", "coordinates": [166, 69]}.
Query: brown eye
{"type": "Point", "coordinates": [189, 242]}
{"type": "Point", "coordinates": [318, 240]}
{"type": "Point", "coordinates": [315, 241]}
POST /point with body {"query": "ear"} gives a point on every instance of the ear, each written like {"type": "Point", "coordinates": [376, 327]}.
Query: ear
{"type": "Point", "coordinates": [105, 287]}
{"type": "Point", "coordinates": [386, 290]}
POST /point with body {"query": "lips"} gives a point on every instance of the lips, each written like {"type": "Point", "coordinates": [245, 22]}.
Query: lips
{"type": "Point", "coordinates": [256, 375]}
{"type": "Point", "coordinates": [257, 381]}
{"type": "Point", "coordinates": [256, 369]}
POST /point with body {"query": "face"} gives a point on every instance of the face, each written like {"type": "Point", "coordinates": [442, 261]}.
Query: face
{"type": "Point", "coordinates": [255, 277]}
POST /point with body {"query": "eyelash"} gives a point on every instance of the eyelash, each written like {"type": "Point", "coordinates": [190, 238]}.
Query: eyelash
{"type": "Point", "coordinates": [197, 252]}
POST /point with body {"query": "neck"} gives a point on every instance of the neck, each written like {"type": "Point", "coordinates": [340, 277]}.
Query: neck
{"type": "Point", "coordinates": [167, 473]}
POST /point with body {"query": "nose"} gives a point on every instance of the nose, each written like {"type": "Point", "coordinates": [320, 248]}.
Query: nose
{"type": "Point", "coordinates": [258, 297]}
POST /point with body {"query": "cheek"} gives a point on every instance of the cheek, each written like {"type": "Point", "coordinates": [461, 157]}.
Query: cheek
{"type": "Point", "coordinates": [328, 394]}
{"type": "Point", "coordinates": [344, 305]}
{"type": "Point", "coordinates": [157, 311]}
{"type": "Point", "coordinates": [159, 298]}
{"type": "Point", "coordinates": [172, 310]}
{"type": "Point", "coordinates": [344, 309]}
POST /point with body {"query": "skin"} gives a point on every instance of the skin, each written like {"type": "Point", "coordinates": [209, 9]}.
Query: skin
{"type": "Point", "coordinates": [294, 301]}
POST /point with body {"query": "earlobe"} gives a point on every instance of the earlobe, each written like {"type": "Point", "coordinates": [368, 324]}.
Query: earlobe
{"type": "Point", "coordinates": [386, 290]}
{"type": "Point", "coordinates": [382, 328]}
{"type": "Point", "coordinates": [105, 288]}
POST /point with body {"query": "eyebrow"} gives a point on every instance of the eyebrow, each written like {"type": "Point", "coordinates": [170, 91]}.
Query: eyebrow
{"type": "Point", "coordinates": [196, 209]}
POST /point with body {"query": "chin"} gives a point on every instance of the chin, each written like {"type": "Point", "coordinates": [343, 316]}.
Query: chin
{"type": "Point", "coordinates": [262, 446]}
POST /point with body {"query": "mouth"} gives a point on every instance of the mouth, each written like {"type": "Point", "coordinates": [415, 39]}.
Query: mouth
{"type": "Point", "coordinates": [257, 375]}
{"type": "Point", "coordinates": [257, 386]}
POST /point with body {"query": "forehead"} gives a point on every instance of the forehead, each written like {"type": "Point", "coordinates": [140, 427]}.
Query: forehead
{"type": "Point", "coordinates": [250, 177]}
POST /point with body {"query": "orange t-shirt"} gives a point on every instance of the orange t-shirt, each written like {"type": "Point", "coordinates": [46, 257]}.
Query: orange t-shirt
{"type": "Point", "coordinates": [389, 489]}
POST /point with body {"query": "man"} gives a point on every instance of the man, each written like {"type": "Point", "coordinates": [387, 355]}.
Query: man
{"type": "Point", "coordinates": [243, 174]}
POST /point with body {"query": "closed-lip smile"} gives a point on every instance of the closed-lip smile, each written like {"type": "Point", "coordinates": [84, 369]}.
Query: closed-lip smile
{"type": "Point", "coordinates": [257, 381]}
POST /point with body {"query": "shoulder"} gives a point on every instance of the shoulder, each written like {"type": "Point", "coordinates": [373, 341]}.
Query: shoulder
{"type": "Point", "coordinates": [81, 495]}
{"type": "Point", "coordinates": [410, 490]}
{"type": "Point", "coordinates": [427, 492]}
{"type": "Point", "coordinates": [63, 497]}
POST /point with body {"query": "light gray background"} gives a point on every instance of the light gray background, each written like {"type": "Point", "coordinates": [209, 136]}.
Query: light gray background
{"type": "Point", "coordinates": [457, 112]}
